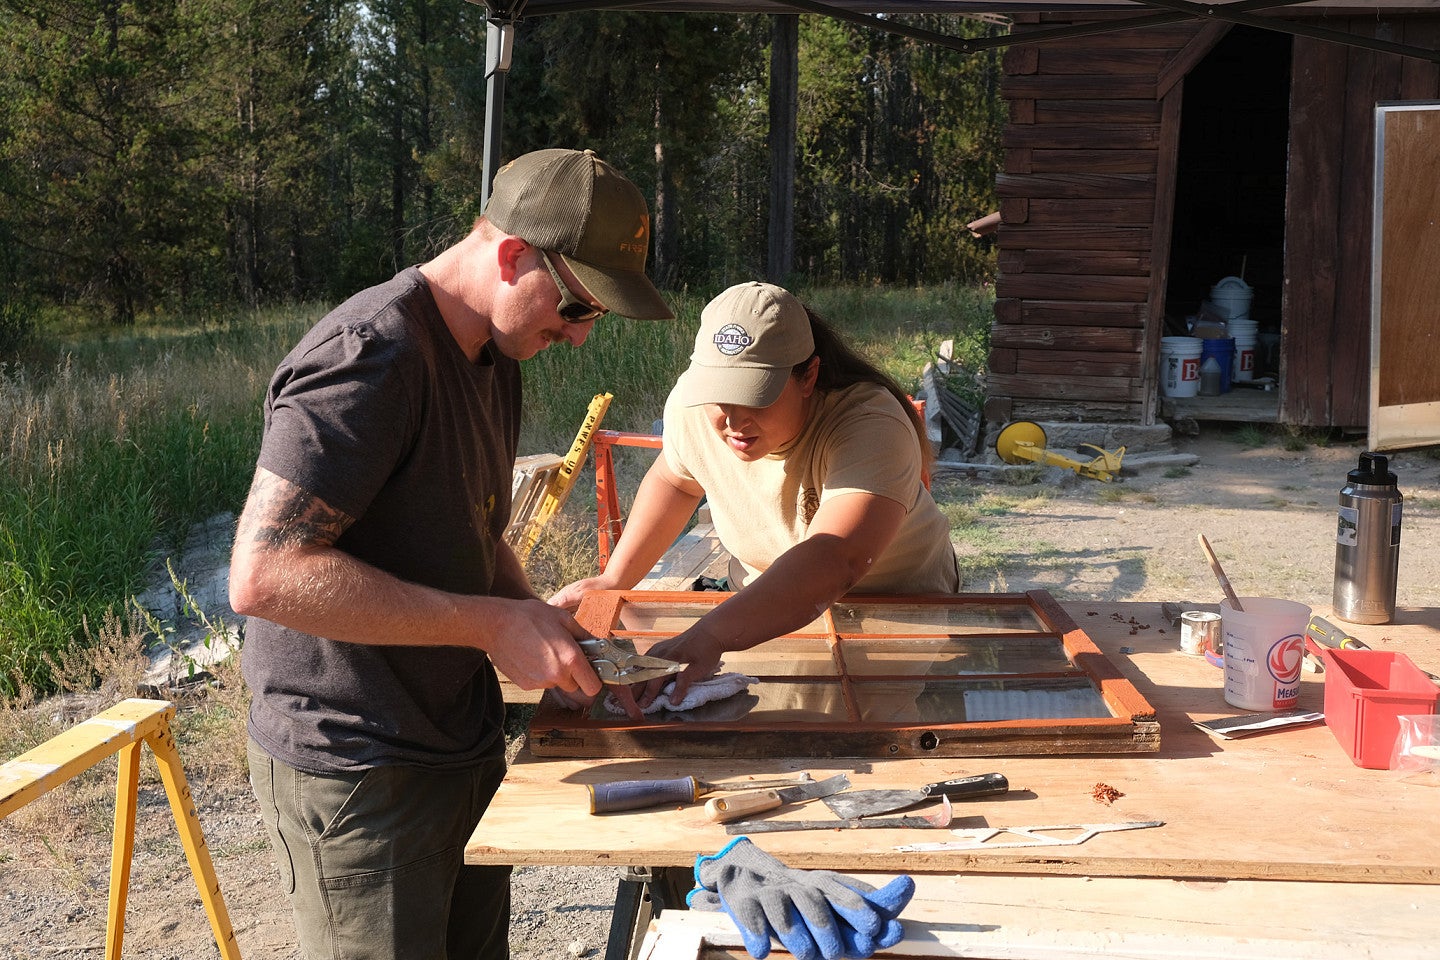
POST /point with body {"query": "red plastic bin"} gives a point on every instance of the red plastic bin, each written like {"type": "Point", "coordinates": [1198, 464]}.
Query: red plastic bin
{"type": "Point", "coordinates": [1366, 694]}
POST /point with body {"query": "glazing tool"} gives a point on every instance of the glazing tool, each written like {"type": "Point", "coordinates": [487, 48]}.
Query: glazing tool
{"type": "Point", "coordinates": [738, 805]}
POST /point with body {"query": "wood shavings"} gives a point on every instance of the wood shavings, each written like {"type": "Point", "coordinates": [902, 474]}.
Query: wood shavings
{"type": "Point", "coordinates": [1106, 794]}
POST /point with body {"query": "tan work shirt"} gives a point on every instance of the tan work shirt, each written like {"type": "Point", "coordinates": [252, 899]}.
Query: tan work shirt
{"type": "Point", "coordinates": [858, 440]}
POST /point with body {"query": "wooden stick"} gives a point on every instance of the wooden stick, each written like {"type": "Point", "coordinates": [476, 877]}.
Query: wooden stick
{"type": "Point", "coordinates": [1220, 574]}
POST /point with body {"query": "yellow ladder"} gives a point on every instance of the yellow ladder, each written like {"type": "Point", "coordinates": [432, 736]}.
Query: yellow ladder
{"type": "Point", "coordinates": [121, 730]}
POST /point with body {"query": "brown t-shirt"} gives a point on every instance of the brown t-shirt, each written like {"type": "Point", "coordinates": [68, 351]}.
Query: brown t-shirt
{"type": "Point", "coordinates": [857, 439]}
{"type": "Point", "coordinates": [379, 413]}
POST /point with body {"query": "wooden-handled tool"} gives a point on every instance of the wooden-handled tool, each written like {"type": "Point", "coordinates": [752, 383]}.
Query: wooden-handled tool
{"type": "Point", "coordinates": [741, 805]}
{"type": "Point", "coordinates": [1220, 575]}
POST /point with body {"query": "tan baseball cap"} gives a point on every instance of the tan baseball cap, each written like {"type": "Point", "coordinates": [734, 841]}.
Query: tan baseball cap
{"type": "Point", "coordinates": [751, 337]}
{"type": "Point", "coordinates": [575, 204]}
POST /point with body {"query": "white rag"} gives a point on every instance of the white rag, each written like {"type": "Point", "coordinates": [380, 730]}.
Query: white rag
{"type": "Point", "coordinates": [718, 687]}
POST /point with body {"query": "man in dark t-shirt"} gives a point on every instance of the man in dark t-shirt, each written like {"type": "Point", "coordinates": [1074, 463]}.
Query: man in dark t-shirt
{"type": "Point", "coordinates": [370, 560]}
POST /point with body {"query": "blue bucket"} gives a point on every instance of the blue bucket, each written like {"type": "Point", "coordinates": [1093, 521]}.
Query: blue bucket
{"type": "Point", "coordinates": [1223, 350]}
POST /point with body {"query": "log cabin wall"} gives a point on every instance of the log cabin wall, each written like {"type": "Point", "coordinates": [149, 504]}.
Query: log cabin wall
{"type": "Point", "coordinates": [1088, 201]}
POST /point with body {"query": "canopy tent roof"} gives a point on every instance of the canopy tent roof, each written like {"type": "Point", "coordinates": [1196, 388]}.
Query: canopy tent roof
{"type": "Point", "coordinates": [1294, 17]}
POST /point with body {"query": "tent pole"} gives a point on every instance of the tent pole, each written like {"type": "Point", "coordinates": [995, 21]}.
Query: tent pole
{"type": "Point", "coordinates": [499, 44]}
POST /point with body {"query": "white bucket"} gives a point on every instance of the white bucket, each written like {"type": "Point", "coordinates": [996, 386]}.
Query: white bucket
{"type": "Point", "coordinates": [1264, 646]}
{"type": "Point", "coordinates": [1180, 366]}
{"type": "Point", "coordinates": [1242, 327]}
{"type": "Point", "coordinates": [1231, 297]}
{"type": "Point", "coordinates": [1244, 361]}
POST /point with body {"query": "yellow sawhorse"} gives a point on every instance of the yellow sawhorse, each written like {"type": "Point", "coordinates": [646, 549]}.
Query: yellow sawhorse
{"type": "Point", "coordinates": [121, 730]}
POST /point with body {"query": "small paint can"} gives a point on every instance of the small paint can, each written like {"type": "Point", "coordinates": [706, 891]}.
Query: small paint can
{"type": "Point", "coordinates": [1199, 632]}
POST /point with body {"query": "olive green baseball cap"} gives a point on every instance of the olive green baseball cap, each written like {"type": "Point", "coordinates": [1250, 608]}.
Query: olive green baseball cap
{"type": "Point", "coordinates": [574, 204]}
{"type": "Point", "coordinates": [751, 338]}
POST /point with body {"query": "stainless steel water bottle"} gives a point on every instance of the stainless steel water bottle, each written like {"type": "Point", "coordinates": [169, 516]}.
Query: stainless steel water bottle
{"type": "Point", "coordinates": [1367, 543]}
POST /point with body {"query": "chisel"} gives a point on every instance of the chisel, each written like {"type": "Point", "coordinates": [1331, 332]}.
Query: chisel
{"type": "Point", "coordinates": [636, 794]}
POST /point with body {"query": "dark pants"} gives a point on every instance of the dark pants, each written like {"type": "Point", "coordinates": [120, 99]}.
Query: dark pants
{"type": "Point", "coordinates": [373, 862]}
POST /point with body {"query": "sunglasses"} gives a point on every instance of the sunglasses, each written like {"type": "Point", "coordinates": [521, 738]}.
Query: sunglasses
{"type": "Point", "coordinates": [572, 309]}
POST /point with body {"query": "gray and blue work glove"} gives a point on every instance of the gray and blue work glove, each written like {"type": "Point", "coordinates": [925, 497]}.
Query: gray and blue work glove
{"type": "Point", "coordinates": [813, 913]}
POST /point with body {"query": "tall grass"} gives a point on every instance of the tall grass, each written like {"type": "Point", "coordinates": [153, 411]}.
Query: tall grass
{"type": "Point", "coordinates": [113, 445]}
{"type": "Point", "coordinates": [117, 444]}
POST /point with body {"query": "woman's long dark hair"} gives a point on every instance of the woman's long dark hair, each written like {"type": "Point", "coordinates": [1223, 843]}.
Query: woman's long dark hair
{"type": "Point", "coordinates": [841, 367]}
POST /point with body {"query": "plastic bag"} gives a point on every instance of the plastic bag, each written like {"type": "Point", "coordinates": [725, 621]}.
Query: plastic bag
{"type": "Point", "coordinates": [1417, 746]}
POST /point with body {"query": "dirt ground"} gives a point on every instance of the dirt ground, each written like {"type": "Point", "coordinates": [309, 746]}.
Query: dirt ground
{"type": "Point", "coordinates": [1268, 511]}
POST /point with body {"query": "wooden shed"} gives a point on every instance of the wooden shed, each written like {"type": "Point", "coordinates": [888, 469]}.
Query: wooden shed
{"type": "Point", "coordinates": [1142, 166]}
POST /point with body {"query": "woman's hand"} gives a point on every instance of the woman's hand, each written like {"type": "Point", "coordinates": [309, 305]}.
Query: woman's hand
{"type": "Point", "coordinates": [697, 649]}
{"type": "Point", "coordinates": [569, 596]}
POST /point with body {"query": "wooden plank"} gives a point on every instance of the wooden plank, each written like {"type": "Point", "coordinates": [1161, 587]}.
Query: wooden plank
{"type": "Point", "coordinates": [1017, 160]}
{"type": "Point", "coordinates": [1080, 186]}
{"type": "Point", "coordinates": [1162, 229]}
{"type": "Point", "coordinates": [1078, 87]}
{"type": "Point", "coordinates": [1019, 60]}
{"type": "Point", "coordinates": [1420, 79]}
{"type": "Point", "coordinates": [1110, 212]}
{"type": "Point", "coordinates": [529, 481]}
{"type": "Point", "coordinates": [1068, 237]}
{"type": "Point", "coordinates": [1098, 411]}
{"type": "Point", "coordinates": [1178, 67]}
{"type": "Point", "coordinates": [1014, 210]}
{"type": "Point", "coordinates": [1312, 243]}
{"type": "Point", "coordinates": [1077, 136]}
{"type": "Point", "coordinates": [1097, 160]}
{"type": "Point", "coordinates": [697, 553]}
{"type": "Point", "coordinates": [1095, 111]}
{"type": "Point", "coordinates": [1111, 389]}
{"type": "Point", "coordinates": [1051, 365]}
{"type": "Point", "coordinates": [1104, 55]}
{"type": "Point", "coordinates": [1170, 36]}
{"type": "Point", "coordinates": [1356, 825]}
{"type": "Point", "coordinates": [1002, 360]}
{"type": "Point", "coordinates": [1070, 313]}
{"type": "Point", "coordinates": [1125, 340]}
{"type": "Point", "coordinates": [1370, 76]}
{"type": "Point", "coordinates": [1075, 918]}
{"type": "Point", "coordinates": [1058, 286]}
{"type": "Point", "coordinates": [1080, 262]}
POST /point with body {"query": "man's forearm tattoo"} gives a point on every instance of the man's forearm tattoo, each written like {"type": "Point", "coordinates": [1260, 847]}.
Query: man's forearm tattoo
{"type": "Point", "coordinates": [282, 514]}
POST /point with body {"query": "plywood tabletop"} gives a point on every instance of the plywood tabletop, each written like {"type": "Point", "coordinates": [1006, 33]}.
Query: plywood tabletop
{"type": "Point", "coordinates": [1288, 805]}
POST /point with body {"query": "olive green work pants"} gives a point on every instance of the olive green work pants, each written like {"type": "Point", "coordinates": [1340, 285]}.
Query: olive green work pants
{"type": "Point", "coordinates": [373, 861]}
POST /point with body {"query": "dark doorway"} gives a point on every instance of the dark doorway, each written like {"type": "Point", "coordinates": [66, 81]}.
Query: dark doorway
{"type": "Point", "coordinates": [1229, 217]}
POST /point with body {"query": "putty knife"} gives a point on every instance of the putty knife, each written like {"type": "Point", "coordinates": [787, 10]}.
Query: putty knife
{"type": "Point", "coordinates": [738, 805]}
{"type": "Point", "coordinates": [869, 803]}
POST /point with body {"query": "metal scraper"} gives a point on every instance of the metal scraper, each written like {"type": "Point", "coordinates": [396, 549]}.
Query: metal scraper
{"type": "Point", "coordinates": [869, 803]}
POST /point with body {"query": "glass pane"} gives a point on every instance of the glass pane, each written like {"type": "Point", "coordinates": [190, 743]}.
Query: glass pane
{"type": "Point", "coordinates": [784, 657]}
{"type": "Point", "coordinates": [763, 703]}
{"type": "Point", "coordinates": [975, 701]}
{"type": "Point", "coordinates": [673, 618]}
{"type": "Point", "coordinates": [903, 618]}
{"type": "Point", "coordinates": [954, 656]}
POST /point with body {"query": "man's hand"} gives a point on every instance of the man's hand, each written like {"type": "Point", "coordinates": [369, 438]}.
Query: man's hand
{"type": "Point", "coordinates": [534, 646]}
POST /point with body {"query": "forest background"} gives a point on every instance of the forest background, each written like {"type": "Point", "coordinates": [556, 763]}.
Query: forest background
{"type": "Point", "coordinates": [187, 185]}
{"type": "Point", "coordinates": [185, 156]}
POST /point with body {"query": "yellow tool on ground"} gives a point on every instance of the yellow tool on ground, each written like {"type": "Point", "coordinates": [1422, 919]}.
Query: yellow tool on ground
{"type": "Point", "coordinates": [1024, 441]}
